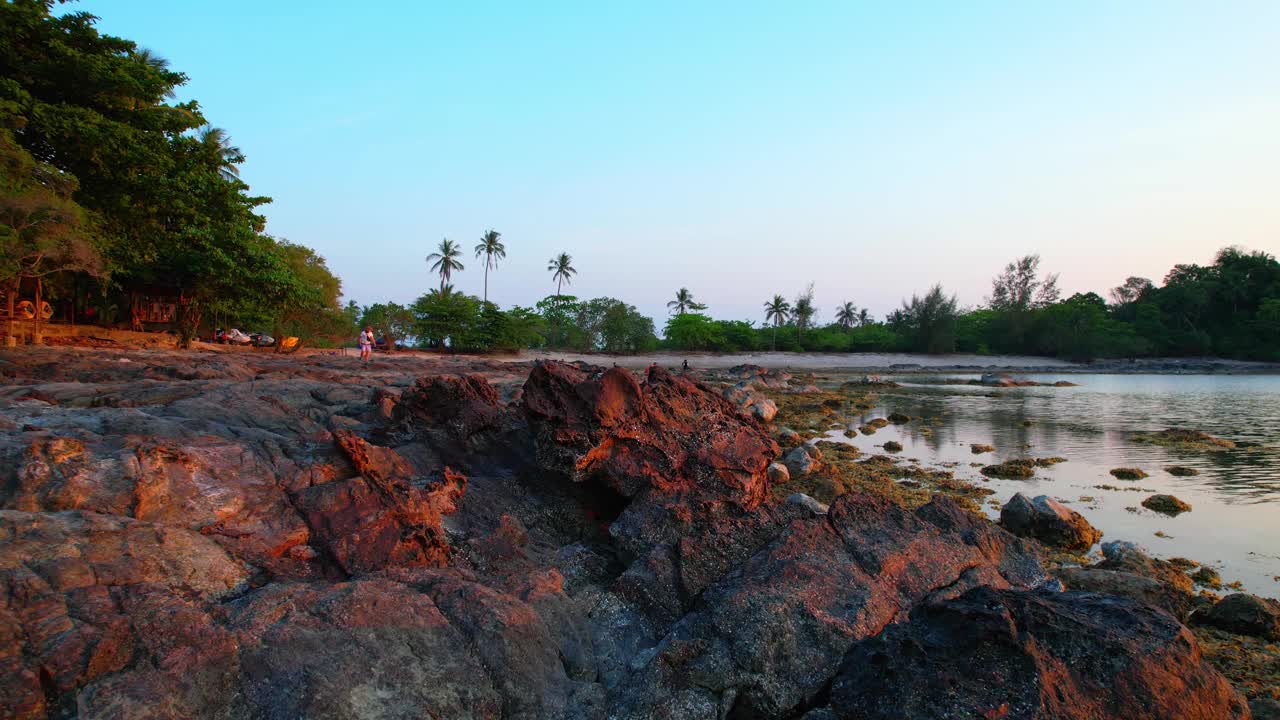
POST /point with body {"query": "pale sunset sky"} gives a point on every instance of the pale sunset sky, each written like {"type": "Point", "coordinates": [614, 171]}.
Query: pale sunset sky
{"type": "Point", "coordinates": [742, 149]}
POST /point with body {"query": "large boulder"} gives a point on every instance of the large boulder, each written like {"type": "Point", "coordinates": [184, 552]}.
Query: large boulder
{"type": "Point", "coordinates": [1244, 614]}
{"type": "Point", "coordinates": [994, 653]}
{"type": "Point", "coordinates": [766, 640]}
{"type": "Point", "coordinates": [1048, 521]}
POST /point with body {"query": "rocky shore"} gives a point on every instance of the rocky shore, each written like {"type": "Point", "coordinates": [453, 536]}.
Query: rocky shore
{"type": "Point", "coordinates": [214, 535]}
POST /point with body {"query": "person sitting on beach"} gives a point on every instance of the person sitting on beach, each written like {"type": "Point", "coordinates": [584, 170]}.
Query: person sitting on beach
{"type": "Point", "coordinates": [366, 344]}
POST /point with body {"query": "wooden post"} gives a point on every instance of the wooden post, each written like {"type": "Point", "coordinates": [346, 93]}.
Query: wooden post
{"type": "Point", "coordinates": [35, 321]}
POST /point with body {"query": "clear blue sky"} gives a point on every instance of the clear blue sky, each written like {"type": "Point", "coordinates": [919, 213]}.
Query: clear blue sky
{"type": "Point", "coordinates": [741, 148]}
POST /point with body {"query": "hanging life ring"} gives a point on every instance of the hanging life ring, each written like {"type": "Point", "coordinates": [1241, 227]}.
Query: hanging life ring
{"type": "Point", "coordinates": [27, 310]}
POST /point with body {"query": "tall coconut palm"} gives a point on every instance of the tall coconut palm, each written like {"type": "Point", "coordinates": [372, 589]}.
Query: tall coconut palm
{"type": "Point", "coordinates": [491, 247]}
{"type": "Point", "coordinates": [561, 267]}
{"type": "Point", "coordinates": [217, 143]}
{"type": "Point", "coordinates": [847, 315]}
{"type": "Point", "coordinates": [445, 261]}
{"type": "Point", "coordinates": [776, 311]}
{"type": "Point", "coordinates": [864, 318]}
{"type": "Point", "coordinates": [684, 302]}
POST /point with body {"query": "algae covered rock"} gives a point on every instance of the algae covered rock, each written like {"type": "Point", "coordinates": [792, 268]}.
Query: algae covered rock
{"type": "Point", "coordinates": [1167, 504]}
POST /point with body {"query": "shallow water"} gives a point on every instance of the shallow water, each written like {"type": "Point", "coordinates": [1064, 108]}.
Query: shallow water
{"type": "Point", "coordinates": [1235, 522]}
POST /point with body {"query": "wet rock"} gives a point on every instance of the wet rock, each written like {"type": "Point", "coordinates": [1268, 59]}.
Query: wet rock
{"type": "Point", "coordinates": [898, 418]}
{"type": "Point", "coordinates": [1048, 521]}
{"type": "Point", "coordinates": [1167, 504]}
{"type": "Point", "coordinates": [1207, 577]}
{"type": "Point", "coordinates": [893, 446]}
{"type": "Point", "coordinates": [1244, 614]}
{"type": "Point", "coordinates": [1181, 471]}
{"type": "Point", "coordinates": [979, 448]}
{"type": "Point", "coordinates": [1002, 653]}
{"type": "Point", "coordinates": [1128, 473]}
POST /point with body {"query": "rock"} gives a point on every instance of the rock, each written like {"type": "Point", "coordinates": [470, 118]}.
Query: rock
{"type": "Point", "coordinates": [800, 460]}
{"type": "Point", "coordinates": [808, 503]}
{"type": "Point", "coordinates": [1016, 469]}
{"type": "Point", "coordinates": [1167, 504]}
{"type": "Point", "coordinates": [1265, 708]}
{"type": "Point", "coordinates": [767, 640]}
{"type": "Point", "coordinates": [893, 446]}
{"type": "Point", "coordinates": [1175, 601]}
{"type": "Point", "coordinates": [898, 418]}
{"type": "Point", "coordinates": [778, 473]}
{"type": "Point", "coordinates": [380, 519]}
{"type": "Point", "coordinates": [871, 426]}
{"type": "Point", "coordinates": [1049, 521]}
{"type": "Point", "coordinates": [1181, 471]}
{"type": "Point", "coordinates": [979, 448]}
{"type": "Point", "coordinates": [1244, 614]}
{"type": "Point", "coordinates": [1005, 653]}
{"type": "Point", "coordinates": [751, 402]}
{"type": "Point", "coordinates": [1207, 577]}
{"type": "Point", "coordinates": [997, 380]}
{"type": "Point", "coordinates": [787, 436]}
{"type": "Point", "coordinates": [1128, 473]}
{"type": "Point", "coordinates": [1129, 557]}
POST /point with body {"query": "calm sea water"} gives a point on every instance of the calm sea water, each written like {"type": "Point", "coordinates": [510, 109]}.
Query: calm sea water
{"type": "Point", "coordinates": [1235, 522]}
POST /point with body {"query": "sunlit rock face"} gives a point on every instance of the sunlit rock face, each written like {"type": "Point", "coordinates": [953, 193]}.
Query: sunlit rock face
{"type": "Point", "coordinates": [186, 536]}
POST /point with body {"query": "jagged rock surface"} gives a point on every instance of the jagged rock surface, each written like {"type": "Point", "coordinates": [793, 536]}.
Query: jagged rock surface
{"type": "Point", "coordinates": [224, 536]}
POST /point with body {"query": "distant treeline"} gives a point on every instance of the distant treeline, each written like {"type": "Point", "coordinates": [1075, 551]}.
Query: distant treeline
{"type": "Point", "coordinates": [1228, 309]}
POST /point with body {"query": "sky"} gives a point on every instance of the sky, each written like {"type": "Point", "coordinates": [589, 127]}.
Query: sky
{"type": "Point", "coordinates": [742, 149]}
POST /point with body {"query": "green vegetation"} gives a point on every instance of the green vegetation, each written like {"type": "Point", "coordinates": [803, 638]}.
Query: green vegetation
{"type": "Point", "coordinates": [112, 192]}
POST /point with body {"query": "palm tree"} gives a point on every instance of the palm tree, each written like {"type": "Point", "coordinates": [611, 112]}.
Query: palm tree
{"type": "Point", "coordinates": [864, 318]}
{"type": "Point", "coordinates": [803, 311]}
{"type": "Point", "coordinates": [776, 311]}
{"type": "Point", "coordinates": [684, 302]}
{"type": "Point", "coordinates": [847, 315]}
{"type": "Point", "coordinates": [493, 250]}
{"type": "Point", "coordinates": [445, 261]}
{"type": "Point", "coordinates": [561, 267]}
{"type": "Point", "coordinates": [217, 143]}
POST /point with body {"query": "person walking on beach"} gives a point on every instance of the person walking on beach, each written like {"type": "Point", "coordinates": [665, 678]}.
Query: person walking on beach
{"type": "Point", "coordinates": [366, 344]}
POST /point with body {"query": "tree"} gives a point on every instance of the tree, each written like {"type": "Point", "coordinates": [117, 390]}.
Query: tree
{"type": "Point", "coordinates": [1020, 288]}
{"type": "Point", "coordinates": [847, 315]}
{"type": "Point", "coordinates": [491, 247]}
{"type": "Point", "coordinates": [928, 322]}
{"type": "Point", "coordinates": [1133, 289]}
{"type": "Point", "coordinates": [562, 270]}
{"type": "Point", "coordinates": [864, 317]}
{"type": "Point", "coordinates": [614, 326]}
{"type": "Point", "coordinates": [445, 261]}
{"type": "Point", "coordinates": [223, 155]}
{"type": "Point", "coordinates": [684, 302]}
{"type": "Point", "coordinates": [693, 331]}
{"type": "Point", "coordinates": [388, 320]}
{"type": "Point", "coordinates": [42, 231]}
{"type": "Point", "coordinates": [776, 311]}
{"type": "Point", "coordinates": [803, 311]}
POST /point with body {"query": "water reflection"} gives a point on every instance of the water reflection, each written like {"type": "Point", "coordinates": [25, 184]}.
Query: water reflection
{"type": "Point", "coordinates": [1235, 523]}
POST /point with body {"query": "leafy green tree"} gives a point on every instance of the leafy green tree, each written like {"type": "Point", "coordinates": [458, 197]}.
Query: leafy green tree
{"type": "Point", "coordinates": [390, 321]}
{"type": "Point", "coordinates": [559, 320]}
{"type": "Point", "coordinates": [693, 331]}
{"type": "Point", "coordinates": [776, 311]}
{"type": "Point", "coordinates": [613, 326]}
{"type": "Point", "coordinates": [42, 231]}
{"type": "Point", "coordinates": [492, 249]}
{"type": "Point", "coordinates": [684, 303]}
{"type": "Point", "coordinates": [445, 261]}
{"type": "Point", "coordinates": [928, 322]}
{"type": "Point", "coordinates": [562, 270]}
